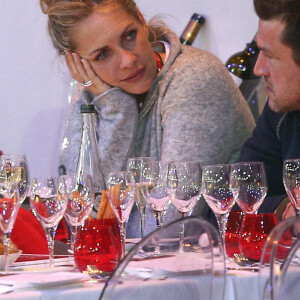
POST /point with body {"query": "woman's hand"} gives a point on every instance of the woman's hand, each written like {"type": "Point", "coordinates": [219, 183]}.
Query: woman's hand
{"type": "Point", "coordinates": [82, 71]}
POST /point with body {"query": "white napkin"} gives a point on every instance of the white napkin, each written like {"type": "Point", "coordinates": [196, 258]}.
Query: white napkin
{"type": "Point", "coordinates": [37, 280]}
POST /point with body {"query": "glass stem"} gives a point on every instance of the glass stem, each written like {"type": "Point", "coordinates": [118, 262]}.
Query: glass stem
{"type": "Point", "coordinates": [6, 252]}
{"type": "Point", "coordinates": [50, 235]}
{"type": "Point", "coordinates": [123, 237]}
{"type": "Point", "coordinates": [73, 230]}
{"type": "Point", "coordinates": [181, 234]}
{"type": "Point", "coordinates": [222, 223]}
{"type": "Point", "coordinates": [158, 217]}
{"type": "Point", "coordinates": [142, 211]}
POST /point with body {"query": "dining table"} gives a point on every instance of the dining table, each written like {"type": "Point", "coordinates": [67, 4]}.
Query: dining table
{"type": "Point", "coordinates": [35, 280]}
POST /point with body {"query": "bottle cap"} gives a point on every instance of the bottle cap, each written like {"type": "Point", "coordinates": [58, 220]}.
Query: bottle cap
{"type": "Point", "coordinates": [87, 108]}
{"type": "Point", "coordinates": [198, 18]}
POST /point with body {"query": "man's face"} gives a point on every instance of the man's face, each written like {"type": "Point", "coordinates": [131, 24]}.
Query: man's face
{"type": "Point", "coordinates": [276, 64]}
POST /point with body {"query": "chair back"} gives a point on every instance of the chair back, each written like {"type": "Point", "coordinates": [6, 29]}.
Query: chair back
{"type": "Point", "coordinates": [279, 274]}
{"type": "Point", "coordinates": [155, 268]}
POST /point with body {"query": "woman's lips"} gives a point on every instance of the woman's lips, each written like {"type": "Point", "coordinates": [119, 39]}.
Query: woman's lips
{"type": "Point", "coordinates": [136, 76]}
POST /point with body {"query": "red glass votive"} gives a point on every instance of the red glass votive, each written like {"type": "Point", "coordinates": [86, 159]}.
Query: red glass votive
{"type": "Point", "coordinates": [232, 235]}
{"type": "Point", "coordinates": [98, 243]}
{"type": "Point", "coordinates": [254, 232]}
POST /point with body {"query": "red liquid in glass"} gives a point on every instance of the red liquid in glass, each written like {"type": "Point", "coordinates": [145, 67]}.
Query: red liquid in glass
{"type": "Point", "coordinates": [98, 243]}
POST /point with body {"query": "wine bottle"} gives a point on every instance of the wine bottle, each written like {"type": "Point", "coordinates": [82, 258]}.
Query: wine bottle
{"type": "Point", "coordinates": [192, 29]}
{"type": "Point", "coordinates": [242, 63]}
{"type": "Point", "coordinates": [89, 160]}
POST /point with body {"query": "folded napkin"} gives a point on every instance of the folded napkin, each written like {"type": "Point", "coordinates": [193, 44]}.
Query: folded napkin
{"type": "Point", "coordinates": [38, 280]}
{"type": "Point", "coordinates": [28, 234]}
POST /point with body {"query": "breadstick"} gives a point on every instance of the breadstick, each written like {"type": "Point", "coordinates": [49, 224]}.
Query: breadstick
{"type": "Point", "coordinates": [103, 205]}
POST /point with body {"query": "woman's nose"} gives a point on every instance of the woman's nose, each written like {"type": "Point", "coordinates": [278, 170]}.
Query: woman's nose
{"type": "Point", "coordinates": [261, 68]}
{"type": "Point", "coordinates": [127, 59]}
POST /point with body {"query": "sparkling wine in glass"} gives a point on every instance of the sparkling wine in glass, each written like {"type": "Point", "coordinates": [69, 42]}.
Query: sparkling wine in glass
{"type": "Point", "coordinates": [218, 194]}
{"type": "Point", "coordinates": [249, 185]}
{"type": "Point", "coordinates": [14, 169]}
{"type": "Point", "coordinates": [9, 207]}
{"type": "Point", "coordinates": [121, 194]}
{"type": "Point", "coordinates": [184, 184]}
{"type": "Point", "coordinates": [291, 181]}
{"type": "Point", "coordinates": [142, 170]}
{"type": "Point", "coordinates": [81, 199]}
{"type": "Point", "coordinates": [48, 201]}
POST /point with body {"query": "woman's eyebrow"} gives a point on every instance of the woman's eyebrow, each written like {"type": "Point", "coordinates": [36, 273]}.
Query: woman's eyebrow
{"type": "Point", "coordinates": [105, 47]}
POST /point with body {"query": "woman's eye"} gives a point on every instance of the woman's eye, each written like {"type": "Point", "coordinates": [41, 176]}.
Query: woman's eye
{"type": "Point", "coordinates": [101, 55]}
{"type": "Point", "coordinates": [131, 35]}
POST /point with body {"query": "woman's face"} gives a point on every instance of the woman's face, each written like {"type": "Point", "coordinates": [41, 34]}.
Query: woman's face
{"type": "Point", "coordinates": [117, 46]}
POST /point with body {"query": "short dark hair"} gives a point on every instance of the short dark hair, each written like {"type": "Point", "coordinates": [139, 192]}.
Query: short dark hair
{"type": "Point", "coordinates": [287, 11]}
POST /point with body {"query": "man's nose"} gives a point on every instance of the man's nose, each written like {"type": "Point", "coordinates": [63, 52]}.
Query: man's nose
{"type": "Point", "coordinates": [261, 68]}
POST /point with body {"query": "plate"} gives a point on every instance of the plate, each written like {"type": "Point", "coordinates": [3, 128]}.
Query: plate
{"type": "Point", "coordinates": [11, 258]}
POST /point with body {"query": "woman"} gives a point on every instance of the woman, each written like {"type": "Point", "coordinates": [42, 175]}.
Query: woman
{"type": "Point", "coordinates": [153, 96]}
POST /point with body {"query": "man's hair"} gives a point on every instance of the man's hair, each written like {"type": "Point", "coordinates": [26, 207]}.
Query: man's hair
{"type": "Point", "coordinates": [287, 11]}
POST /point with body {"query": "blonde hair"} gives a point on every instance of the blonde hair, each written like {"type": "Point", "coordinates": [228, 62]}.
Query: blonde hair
{"type": "Point", "coordinates": [63, 15]}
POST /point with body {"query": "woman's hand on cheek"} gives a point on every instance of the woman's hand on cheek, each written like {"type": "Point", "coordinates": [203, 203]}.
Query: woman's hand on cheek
{"type": "Point", "coordinates": [82, 71]}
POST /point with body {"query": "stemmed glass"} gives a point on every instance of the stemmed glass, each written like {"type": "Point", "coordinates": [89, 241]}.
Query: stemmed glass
{"type": "Point", "coordinates": [9, 206]}
{"type": "Point", "coordinates": [81, 199]}
{"type": "Point", "coordinates": [48, 201]}
{"type": "Point", "coordinates": [291, 181]}
{"type": "Point", "coordinates": [121, 194]}
{"type": "Point", "coordinates": [218, 194]}
{"type": "Point", "coordinates": [142, 169]}
{"type": "Point", "coordinates": [184, 184]}
{"type": "Point", "coordinates": [14, 169]}
{"type": "Point", "coordinates": [159, 199]}
{"type": "Point", "coordinates": [249, 185]}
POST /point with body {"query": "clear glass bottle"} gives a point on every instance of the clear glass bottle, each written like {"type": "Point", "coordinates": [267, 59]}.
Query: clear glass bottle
{"type": "Point", "coordinates": [89, 160]}
{"type": "Point", "coordinates": [73, 95]}
{"type": "Point", "coordinates": [192, 29]}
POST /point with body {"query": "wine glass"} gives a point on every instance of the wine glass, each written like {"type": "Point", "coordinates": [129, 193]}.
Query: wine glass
{"type": "Point", "coordinates": [142, 169]}
{"type": "Point", "coordinates": [121, 194]}
{"type": "Point", "coordinates": [291, 181]}
{"type": "Point", "coordinates": [218, 194]}
{"type": "Point", "coordinates": [249, 185]}
{"type": "Point", "coordinates": [184, 185]}
{"type": "Point", "coordinates": [9, 207]}
{"type": "Point", "coordinates": [48, 201]}
{"type": "Point", "coordinates": [81, 199]}
{"type": "Point", "coordinates": [159, 199]}
{"type": "Point", "coordinates": [14, 168]}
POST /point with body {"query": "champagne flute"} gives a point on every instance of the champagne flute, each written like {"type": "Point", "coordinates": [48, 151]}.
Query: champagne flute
{"type": "Point", "coordinates": [291, 181]}
{"type": "Point", "coordinates": [81, 199]}
{"type": "Point", "coordinates": [184, 184]}
{"type": "Point", "coordinates": [142, 169]}
{"type": "Point", "coordinates": [121, 194]}
{"type": "Point", "coordinates": [249, 185]}
{"type": "Point", "coordinates": [9, 207]}
{"type": "Point", "coordinates": [14, 168]}
{"type": "Point", "coordinates": [48, 201]}
{"type": "Point", "coordinates": [218, 194]}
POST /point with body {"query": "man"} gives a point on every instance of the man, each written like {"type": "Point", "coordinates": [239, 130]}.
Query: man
{"type": "Point", "coordinates": [277, 134]}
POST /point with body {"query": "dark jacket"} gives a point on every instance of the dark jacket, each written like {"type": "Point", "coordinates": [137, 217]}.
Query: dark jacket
{"type": "Point", "coordinates": [275, 138]}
